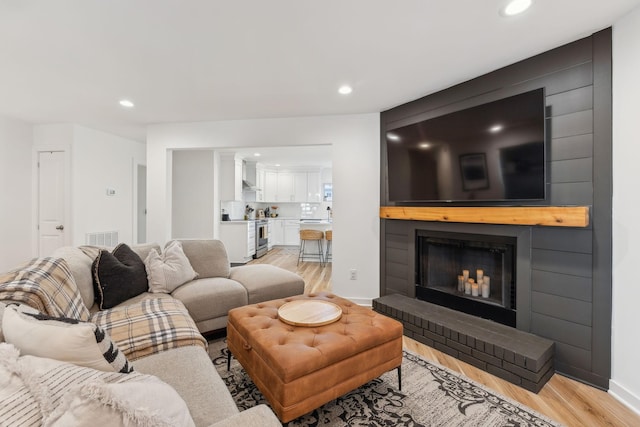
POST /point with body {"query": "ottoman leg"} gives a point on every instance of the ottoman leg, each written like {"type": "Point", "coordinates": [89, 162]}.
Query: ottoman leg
{"type": "Point", "coordinates": [228, 359]}
{"type": "Point", "coordinates": [399, 378]}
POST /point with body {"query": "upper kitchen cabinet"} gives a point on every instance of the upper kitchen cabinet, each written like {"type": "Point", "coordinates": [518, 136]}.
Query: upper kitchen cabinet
{"type": "Point", "coordinates": [260, 178]}
{"type": "Point", "coordinates": [292, 187]}
{"type": "Point", "coordinates": [230, 177]}
{"type": "Point", "coordinates": [270, 186]}
{"type": "Point", "coordinates": [314, 187]}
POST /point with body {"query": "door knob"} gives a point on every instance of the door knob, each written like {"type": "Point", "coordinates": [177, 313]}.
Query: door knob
{"type": "Point", "coordinates": [60, 227]}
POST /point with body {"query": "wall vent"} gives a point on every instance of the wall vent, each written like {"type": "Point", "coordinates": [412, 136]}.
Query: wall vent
{"type": "Point", "coordinates": [105, 238]}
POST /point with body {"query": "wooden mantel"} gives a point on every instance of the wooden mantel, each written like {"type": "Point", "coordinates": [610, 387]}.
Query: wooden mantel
{"type": "Point", "coordinates": [552, 216]}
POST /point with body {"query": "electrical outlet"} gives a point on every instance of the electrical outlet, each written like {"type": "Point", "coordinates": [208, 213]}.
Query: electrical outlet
{"type": "Point", "coordinates": [353, 274]}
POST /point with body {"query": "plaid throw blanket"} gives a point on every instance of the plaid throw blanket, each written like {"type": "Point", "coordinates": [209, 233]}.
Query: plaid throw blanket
{"type": "Point", "coordinates": [149, 326]}
{"type": "Point", "coordinates": [47, 285]}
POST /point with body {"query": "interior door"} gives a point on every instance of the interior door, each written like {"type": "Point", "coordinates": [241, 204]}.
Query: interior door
{"type": "Point", "coordinates": [51, 201]}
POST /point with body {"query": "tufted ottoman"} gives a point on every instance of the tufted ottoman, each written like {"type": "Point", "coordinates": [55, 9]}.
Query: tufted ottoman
{"type": "Point", "coordinates": [299, 368]}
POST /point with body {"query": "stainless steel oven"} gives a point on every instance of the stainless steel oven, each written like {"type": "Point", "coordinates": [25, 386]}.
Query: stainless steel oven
{"type": "Point", "coordinates": [262, 237]}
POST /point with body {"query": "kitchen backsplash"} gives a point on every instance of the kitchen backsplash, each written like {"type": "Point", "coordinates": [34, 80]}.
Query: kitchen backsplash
{"type": "Point", "coordinates": [236, 210]}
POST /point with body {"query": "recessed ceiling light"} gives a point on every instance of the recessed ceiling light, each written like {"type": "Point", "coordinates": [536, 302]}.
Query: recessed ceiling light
{"type": "Point", "coordinates": [126, 103]}
{"type": "Point", "coordinates": [256, 154]}
{"type": "Point", "coordinates": [515, 7]}
{"type": "Point", "coordinates": [345, 90]}
{"type": "Point", "coordinates": [392, 137]}
{"type": "Point", "coordinates": [277, 165]}
{"type": "Point", "coordinates": [424, 145]}
{"type": "Point", "coordinates": [495, 128]}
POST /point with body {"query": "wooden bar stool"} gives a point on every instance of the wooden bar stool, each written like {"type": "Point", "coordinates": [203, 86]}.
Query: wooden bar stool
{"type": "Point", "coordinates": [328, 235]}
{"type": "Point", "coordinates": [311, 235]}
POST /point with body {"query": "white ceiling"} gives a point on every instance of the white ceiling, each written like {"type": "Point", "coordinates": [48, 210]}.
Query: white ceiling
{"type": "Point", "coordinates": [204, 60]}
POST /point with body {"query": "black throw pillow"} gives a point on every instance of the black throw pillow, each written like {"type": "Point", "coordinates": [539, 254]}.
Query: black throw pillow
{"type": "Point", "coordinates": [118, 276]}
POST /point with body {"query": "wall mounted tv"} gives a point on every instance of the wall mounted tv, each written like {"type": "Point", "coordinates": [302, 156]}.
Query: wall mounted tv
{"type": "Point", "coordinates": [491, 152]}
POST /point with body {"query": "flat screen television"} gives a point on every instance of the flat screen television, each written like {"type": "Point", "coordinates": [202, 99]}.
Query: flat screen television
{"type": "Point", "coordinates": [491, 152]}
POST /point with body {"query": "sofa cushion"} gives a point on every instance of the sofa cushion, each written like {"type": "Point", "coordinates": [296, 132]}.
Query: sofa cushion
{"type": "Point", "coordinates": [207, 257]}
{"type": "Point", "coordinates": [190, 372]}
{"type": "Point", "coordinates": [47, 285]}
{"type": "Point", "coordinates": [266, 282]}
{"type": "Point", "coordinates": [45, 391]}
{"type": "Point", "coordinates": [168, 271]}
{"type": "Point", "coordinates": [60, 338]}
{"type": "Point", "coordinates": [118, 276]}
{"type": "Point", "coordinates": [210, 298]}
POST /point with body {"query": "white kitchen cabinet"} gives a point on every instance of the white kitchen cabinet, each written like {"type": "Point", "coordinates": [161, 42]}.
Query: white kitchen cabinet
{"type": "Point", "coordinates": [314, 187]}
{"type": "Point", "coordinates": [270, 226]}
{"type": "Point", "coordinates": [277, 232]}
{"type": "Point", "coordinates": [285, 189]}
{"type": "Point", "coordinates": [299, 187]}
{"type": "Point", "coordinates": [292, 187]}
{"type": "Point", "coordinates": [260, 197]}
{"type": "Point", "coordinates": [270, 186]}
{"type": "Point", "coordinates": [239, 238]}
{"type": "Point", "coordinates": [292, 232]}
{"type": "Point", "coordinates": [230, 177]}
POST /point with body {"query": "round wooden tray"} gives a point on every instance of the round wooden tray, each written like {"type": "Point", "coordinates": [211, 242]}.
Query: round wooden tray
{"type": "Point", "coordinates": [309, 313]}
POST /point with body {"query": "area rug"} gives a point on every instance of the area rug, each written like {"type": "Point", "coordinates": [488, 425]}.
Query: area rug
{"type": "Point", "coordinates": [431, 395]}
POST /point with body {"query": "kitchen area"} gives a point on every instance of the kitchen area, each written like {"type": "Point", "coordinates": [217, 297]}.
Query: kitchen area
{"type": "Point", "coordinates": [266, 199]}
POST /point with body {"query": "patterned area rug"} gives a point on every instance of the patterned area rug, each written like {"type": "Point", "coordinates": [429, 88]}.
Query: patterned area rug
{"type": "Point", "coordinates": [431, 396]}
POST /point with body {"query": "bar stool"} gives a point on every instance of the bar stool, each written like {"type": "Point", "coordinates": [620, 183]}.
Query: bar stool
{"type": "Point", "coordinates": [328, 235]}
{"type": "Point", "coordinates": [311, 235]}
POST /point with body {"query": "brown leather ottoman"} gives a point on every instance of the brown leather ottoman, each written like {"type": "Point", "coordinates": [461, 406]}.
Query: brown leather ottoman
{"type": "Point", "coordinates": [299, 368]}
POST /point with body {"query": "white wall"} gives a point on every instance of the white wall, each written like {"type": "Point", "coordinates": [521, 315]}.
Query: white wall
{"type": "Point", "coordinates": [98, 161]}
{"type": "Point", "coordinates": [625, 375]}
{"type": "Point", "coordinates": [192, 190]}
{"type": "Point", "coordinates": [356, 170]}
{"type": "Point", "coordinates": [15, 193]}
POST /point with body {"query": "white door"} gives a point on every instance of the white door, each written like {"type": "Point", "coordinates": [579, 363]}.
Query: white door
{"type": "Point", "coordinates": [51, 201]}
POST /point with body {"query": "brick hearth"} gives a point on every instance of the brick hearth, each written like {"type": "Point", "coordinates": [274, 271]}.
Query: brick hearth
{"type": "Point", "coordinates": [519, 357]}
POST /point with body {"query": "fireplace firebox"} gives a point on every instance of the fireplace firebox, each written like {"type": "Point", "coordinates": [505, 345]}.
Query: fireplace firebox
{"type": "Point", "coordinates": [444, 260]}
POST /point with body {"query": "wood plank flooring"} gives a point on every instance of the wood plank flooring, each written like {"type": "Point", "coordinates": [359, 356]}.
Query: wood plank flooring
{"type": "Point", "coordinates": [562, 399]}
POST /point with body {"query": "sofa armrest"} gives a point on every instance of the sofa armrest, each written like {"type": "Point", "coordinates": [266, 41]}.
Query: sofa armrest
{"type": "Point", "coordinates": [257, 416]}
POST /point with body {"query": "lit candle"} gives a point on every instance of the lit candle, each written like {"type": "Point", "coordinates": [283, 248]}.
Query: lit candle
{"type": "Point", "coordinates": [465, 274]}
{"type": "Point", "coordinates": [479, 274]}
{"type": "Point", "coordinates": [474, 289]}
{"type": "Point", "coordinates": [487, 280]}
{"type": "Point", "coordinates": [485, 288]}
{"type": "Point", "coordinates": [467, 286]}
{"type": "Point", "coordinates": [460, 283]}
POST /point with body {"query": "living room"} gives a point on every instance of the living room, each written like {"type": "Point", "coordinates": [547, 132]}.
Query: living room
{"type": "Point", "coordinates": [355, 136]}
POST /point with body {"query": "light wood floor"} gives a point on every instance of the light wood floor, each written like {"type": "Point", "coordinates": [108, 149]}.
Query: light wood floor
{"type": "Point", "coordinates": [562, 399]}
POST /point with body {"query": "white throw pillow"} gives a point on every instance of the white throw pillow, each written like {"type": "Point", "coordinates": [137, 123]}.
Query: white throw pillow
{"type": "Point", "coordinates": [145, 402]}
{"type": "Point", "coordinates": [41, 391]}
{"type": "Point", "coordinates": [67, 340]}
{"type": "Point", "coordinates": [170, 270]}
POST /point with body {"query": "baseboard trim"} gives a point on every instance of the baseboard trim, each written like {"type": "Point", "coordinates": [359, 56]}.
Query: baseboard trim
{"type": "Point", "coordinates": [625, 396]}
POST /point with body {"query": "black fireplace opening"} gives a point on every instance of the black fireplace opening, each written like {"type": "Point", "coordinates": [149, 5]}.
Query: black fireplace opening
{"type": "Point", "coordinates": [445, 260]}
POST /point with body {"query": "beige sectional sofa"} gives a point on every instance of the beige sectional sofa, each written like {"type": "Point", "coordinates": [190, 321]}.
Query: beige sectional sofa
{"type": "Point", "coordinates": [161, 333]}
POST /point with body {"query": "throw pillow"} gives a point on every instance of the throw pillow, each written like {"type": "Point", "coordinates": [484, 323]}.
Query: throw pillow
{"type": "Point", "coordinates": [42, 391]}
{"type": "Point", "coordinates": [170, 270]}
{"type": "Point", "coordinates": [146, 402]}
{"type": "Point", "coordinates": [64, 339]}
{"type": "Point", "coordinates": [118, 276]}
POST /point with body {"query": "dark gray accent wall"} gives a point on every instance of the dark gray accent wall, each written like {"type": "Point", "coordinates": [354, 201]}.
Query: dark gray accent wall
{"type": "Point", "coordinates": [569, 297]}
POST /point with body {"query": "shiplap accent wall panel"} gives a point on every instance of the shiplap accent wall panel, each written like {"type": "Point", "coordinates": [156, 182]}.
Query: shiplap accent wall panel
{"type": "Point", "coordinates": [570, 292]}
